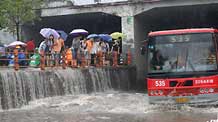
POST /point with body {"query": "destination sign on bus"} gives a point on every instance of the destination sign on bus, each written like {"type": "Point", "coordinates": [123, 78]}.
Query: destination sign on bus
{"type": "Point", "coordinates": [204, 81]}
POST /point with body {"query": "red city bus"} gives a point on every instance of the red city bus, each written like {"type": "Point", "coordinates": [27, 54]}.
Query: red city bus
{"type": "Point", "coordinates": [182, 66]}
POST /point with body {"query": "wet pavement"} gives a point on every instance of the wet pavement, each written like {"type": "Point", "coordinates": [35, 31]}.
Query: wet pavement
{"type": "Point", "coordinates": [109, 106]}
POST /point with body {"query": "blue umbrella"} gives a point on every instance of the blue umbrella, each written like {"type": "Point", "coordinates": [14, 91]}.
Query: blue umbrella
{"type": "Point", "coordinates": [105, 37]}
{"type": "Point", "coordinates": [92, 36]}
{"type": "Point", "coordinates": [62, 34]}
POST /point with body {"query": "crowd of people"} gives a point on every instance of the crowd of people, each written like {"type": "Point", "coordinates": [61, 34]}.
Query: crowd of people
{"type": "Point", "coordinates": [90, 49]}
{"type": "Point", "coordinates": [74, 51]}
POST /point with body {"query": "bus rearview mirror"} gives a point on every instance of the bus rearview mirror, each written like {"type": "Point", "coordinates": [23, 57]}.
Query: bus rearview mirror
{"type": "Point", "coordinates": [143, 50]}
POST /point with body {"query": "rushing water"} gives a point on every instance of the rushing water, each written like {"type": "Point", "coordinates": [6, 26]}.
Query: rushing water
{"type": "Point", "coordinates": [18, 88]}
{"type": "Point", "coordinates": [108, 106]}
{"type": "Point", "coordinates": [85, 95]}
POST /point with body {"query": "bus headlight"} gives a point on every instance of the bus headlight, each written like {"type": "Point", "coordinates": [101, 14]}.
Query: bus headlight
{"type": "Point", "coordinates": [201, 90]}
{"type": "Point", "coordinates": [206, 90]}
{"type": "Point", "coordinates": [152, 92]}
{"type": "Point", "coordinates": [211, 90]}
{"type": "Point", "coordinates": [156, 92]}
{"type": "Point", "coordinates": [160, 92]}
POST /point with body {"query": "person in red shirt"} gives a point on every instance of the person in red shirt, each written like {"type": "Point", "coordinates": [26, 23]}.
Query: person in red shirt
{"type": "Point", "coordinates": [30, 45]}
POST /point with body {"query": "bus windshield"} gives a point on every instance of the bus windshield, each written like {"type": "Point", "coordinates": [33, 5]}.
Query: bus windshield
{"type": "Point", "coordinates": [181, 53]}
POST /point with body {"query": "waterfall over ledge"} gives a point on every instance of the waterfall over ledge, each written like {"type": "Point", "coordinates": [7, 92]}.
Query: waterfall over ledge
{"type": "Point", "coordinates": [17, 88]}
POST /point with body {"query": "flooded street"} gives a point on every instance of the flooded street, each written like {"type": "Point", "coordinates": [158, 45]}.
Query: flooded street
{"type": "Point", "coordinates": [109, 106]}
{"type": "Point", "coordinates": [90, 60]}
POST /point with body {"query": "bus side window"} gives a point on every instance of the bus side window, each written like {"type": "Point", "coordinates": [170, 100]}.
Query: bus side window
{"type": "Point", "coordinates": [216, 46]}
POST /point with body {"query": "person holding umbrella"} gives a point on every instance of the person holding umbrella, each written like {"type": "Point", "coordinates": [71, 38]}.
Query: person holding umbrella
{"type": "Point", "coordinates": [77, 35]}
{"type": "Point", "coordinates": [116, 49]}
{"type": "Point", "coordinates": [115, 46]}
{"type": "Point", "coordinates": [58, 47]}
{"type": "Point", "coordinates": [94, 51]}
{"type": "Point", "coordinates": [43, 48]}
{"type": "Point", "coordinates": [89, 46]}
{"type": "Point", "coordinates": [100, 52]}
{"type": "Point", "coordinates": [117, 41]}
{"type": "Point", "coordinates": [75, 47]}
{"type": "Point", "coordinates": [47, 46]}
{"type": "Point", "coordinates": [49, 50]}
{"type": "Point", "coordinates": [105, 39]}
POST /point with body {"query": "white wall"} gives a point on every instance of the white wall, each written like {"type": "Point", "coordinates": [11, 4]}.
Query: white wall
{"type": "Point", "coordinates": [87, 2]}
{"type": "Point", "coordinates": [108, 1]}
{"type": "Point", "coordinates": [6, 37]}
{"type": "Point", "coordinates": [83, 2]}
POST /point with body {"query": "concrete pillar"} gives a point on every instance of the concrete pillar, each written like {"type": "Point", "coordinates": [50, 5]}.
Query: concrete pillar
{"type": "Point", "coordinates": [128, 30]}
{"type": "Point", "coordinates": [140, 29]}
{"type": "Point", "coordinates": [131, 28]}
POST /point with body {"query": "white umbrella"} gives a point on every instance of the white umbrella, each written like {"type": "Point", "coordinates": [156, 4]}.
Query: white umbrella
{"type": "Point", "coordinates": [77, 32]}
{"type": "Point", "coordinates": [16, 43]}
{"type": "Point", "coordinates": [46, 32]}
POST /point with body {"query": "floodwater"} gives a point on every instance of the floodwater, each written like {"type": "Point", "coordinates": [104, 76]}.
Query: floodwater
{"type": "Point", "coordinates": [110, 106]}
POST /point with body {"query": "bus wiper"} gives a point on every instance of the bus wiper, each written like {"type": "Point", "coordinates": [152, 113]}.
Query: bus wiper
{"type": "Point", "coordinates": [187, 60]}
{"type": "Point", "coordinates": [192, 67]}
{"type": "Point", "coordinates": [177, 60]}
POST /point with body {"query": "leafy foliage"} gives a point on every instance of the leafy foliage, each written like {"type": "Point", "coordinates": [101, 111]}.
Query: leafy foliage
{"type": "Point", "coordinates": [14, 13]}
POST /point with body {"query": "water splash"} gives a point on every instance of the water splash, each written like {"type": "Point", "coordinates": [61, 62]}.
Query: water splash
{"type": "Point", "coordinates": [107, 102]}
{"type": "Point", "coordinates": [18, 88]}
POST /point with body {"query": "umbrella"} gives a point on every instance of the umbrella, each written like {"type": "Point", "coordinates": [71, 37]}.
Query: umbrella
{"type": "Point", "coordinates": [62, 34]}
{"type": "Point", "coordinates": [46, 32]}
{"type": "Point", "coordinates": [105, 37]}
{"type": "Point", "coordinates": [92, 36]}
{"type": "Point", "coordinates": [77, 32]}
{"type": "Point", "coordinates": [2, 49]}
{"type": "Point", "coordinates": [117, 35]}
{"type": "Point", "coordinates": [16, 43]}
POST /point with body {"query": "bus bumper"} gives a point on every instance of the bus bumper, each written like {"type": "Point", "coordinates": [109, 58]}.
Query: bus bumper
{"type": "Point", "coordinates": [201, 99]}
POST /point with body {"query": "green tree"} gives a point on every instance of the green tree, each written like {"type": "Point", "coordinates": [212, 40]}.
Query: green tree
{"type": "Point", "coordinates": [14, 13]}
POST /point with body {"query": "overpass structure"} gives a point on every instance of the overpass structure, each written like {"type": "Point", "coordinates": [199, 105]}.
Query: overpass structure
{"type": "Point", "coordinates": [135, 18]}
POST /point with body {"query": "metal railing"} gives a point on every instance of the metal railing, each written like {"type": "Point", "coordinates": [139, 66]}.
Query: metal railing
{"type": "Point", "coordinates": [48, 60]}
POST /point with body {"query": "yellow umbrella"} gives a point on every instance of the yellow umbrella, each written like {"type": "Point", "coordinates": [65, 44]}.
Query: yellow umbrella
{"type": "Point", "coordinates": [117, 35]}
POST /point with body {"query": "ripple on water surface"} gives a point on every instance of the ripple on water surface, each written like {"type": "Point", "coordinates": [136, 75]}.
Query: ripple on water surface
{"type": "Point", "coordinates": [108, 106]}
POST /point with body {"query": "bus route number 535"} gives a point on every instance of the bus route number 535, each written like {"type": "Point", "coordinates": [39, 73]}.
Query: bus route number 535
{"type": "Point", "coordinates": [160, 83]}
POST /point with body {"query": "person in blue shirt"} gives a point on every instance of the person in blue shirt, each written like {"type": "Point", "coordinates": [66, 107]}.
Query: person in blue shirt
{"type": "Point", "coordinates": [21, 57]}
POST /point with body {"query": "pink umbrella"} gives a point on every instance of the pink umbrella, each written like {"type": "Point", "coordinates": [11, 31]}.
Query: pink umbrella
{"type": "Point", "coordinates": [46, 32]}
{"type": "Point", "coordinates": [16, 43]}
